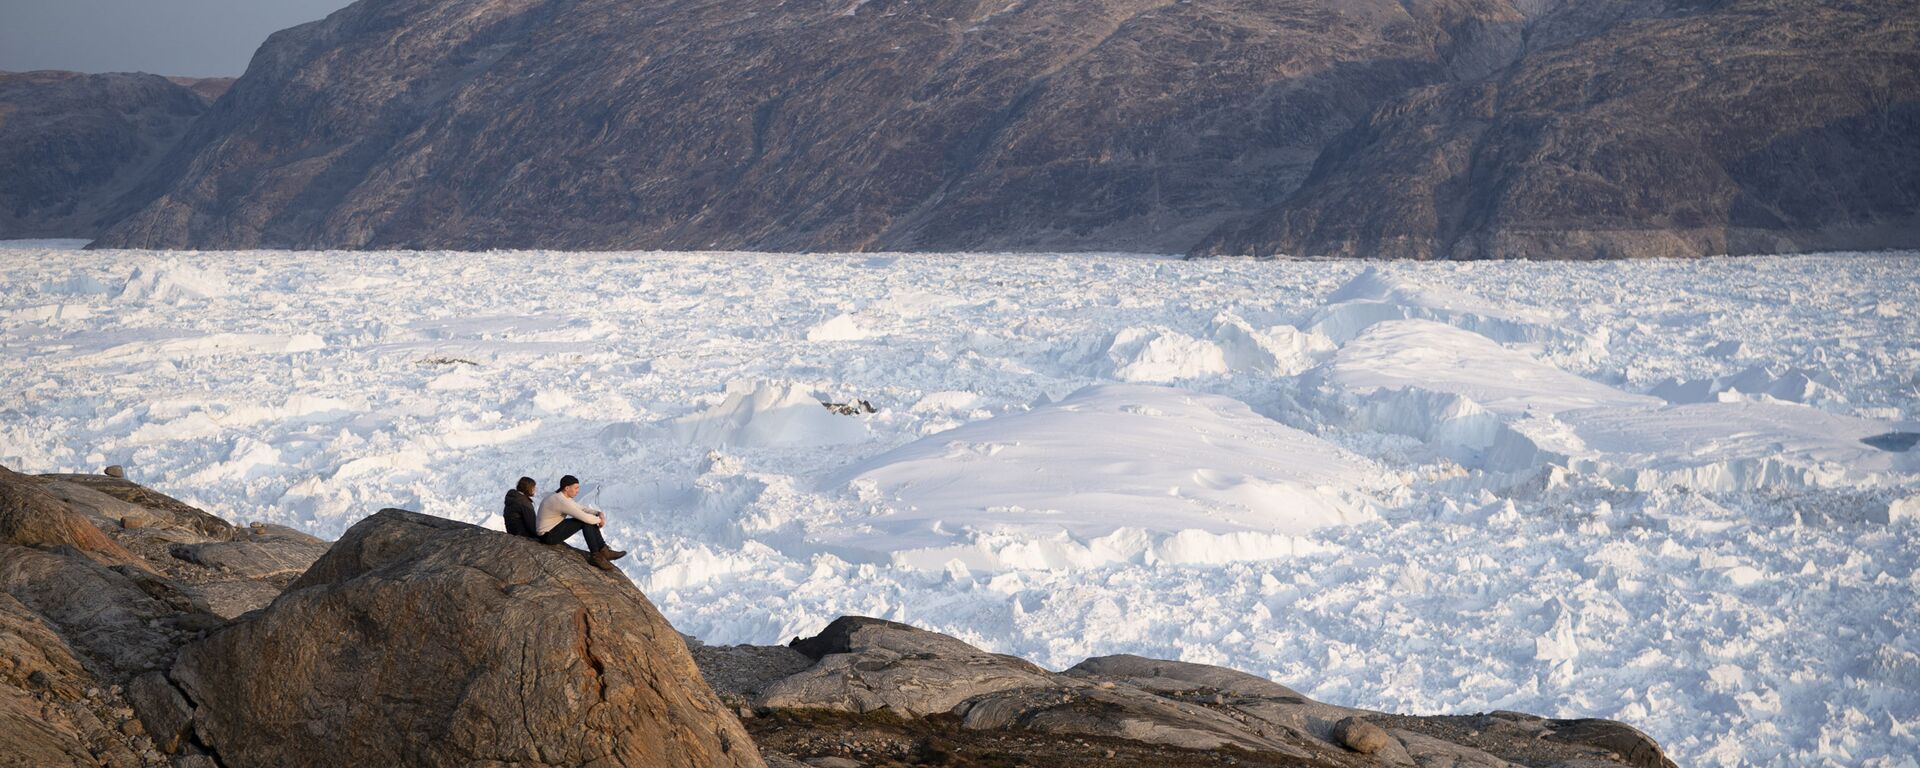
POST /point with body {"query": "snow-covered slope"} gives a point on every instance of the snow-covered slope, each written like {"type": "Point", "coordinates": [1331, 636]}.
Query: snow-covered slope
{"type": "Point", "coordinates": [1681, 494]}
{"type": "Point", "coordinates": [1112, 473]}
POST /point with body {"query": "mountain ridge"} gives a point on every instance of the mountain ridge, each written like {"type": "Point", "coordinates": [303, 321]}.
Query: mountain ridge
{"type": "Point", "coordinates": [1415, 129]}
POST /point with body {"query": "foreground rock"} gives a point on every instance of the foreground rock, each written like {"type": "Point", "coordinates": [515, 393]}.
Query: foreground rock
{"type": "Point", "coordinates": [89, 603]}
{"type": "Point", "coordinates": [883, 693]}
{"type": "Point", "coordinates": [431, 642]}
{"type": "Point", "coordinates": [415, 640]}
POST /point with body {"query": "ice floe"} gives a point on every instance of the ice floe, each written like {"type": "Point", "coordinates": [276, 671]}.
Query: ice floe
{"type": "Point", "coordinates": [1110, 473]}
{"type": "Point", "coordinates": [766, 414]}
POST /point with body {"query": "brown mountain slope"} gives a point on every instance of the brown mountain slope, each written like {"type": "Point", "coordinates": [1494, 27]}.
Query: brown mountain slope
{"type": "Point", "coordinates": [1755, 126]}
{"type": "Point", "coordinates": [72, 144]}
{"type": "Point", "coordinates": [1432, 128]}
{"type": "Point", "coordinates": [813, 124]}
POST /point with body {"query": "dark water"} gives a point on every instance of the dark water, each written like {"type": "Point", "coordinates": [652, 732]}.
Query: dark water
{"type": "Point", "coordinates": [1893, 441]}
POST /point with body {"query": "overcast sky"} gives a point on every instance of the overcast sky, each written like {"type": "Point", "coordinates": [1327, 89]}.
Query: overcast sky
{"type": "Point", "coordinates": [195, 38]}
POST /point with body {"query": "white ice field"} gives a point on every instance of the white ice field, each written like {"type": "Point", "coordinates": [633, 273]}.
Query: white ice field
{"type": "Point", "coordinates": [1673, 493]}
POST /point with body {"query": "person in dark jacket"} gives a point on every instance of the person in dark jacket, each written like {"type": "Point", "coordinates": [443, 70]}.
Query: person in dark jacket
{"type": "Point", "coordinates": [519, 512]}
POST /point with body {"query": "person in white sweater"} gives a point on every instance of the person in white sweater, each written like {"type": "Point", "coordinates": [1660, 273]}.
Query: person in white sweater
{"type": "Point", "coordinates": [561, 517]}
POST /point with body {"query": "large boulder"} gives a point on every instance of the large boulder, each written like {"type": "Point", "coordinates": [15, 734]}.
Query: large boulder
{"type": "Point", "coordinates": [32, 517]}
{"type": "Point", "coordinates": [424, 641]}
{"type": "Point", "coordinates": [865, 664]}
{"type": "Point", "coordinates": [91, 606]}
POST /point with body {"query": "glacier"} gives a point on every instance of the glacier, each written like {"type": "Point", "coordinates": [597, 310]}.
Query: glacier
{"type": "Point", "coordinates": [1676, 493]}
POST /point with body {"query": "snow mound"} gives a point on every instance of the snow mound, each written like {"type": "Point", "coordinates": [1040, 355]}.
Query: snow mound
{"type": "Point", "coordinates": [189, 419]}
{"type": "Point", "coordinates": [1794, 385]}
{"type": "Point", "coordinates": [1373, 297]}
{"type": "Point", "coordinates": [1430, 356]}
{"type": "Point", "coordinates": [77, 284]}
{"type": "Point", "coordinates": [1111, 473]}
{"type": "Point", "coordinates": [767, 415]}
{"type": "Point", "coordinates": [946, 401]}
{"type": "Point", "coordinates": [842, 327]}
{"type": "Point", "coordinates": [1737, 446]}
{"type": "Point", "coordinates": [1159, 355]}
{"type": "Point", "coordinates": [1503, 410]}
{"type": "Point", "coordinates": [1162, 355]}
{"type": "Point", "coordinates": [1280, 349]}
{"type": "Point", "coordinates": [172, 282]}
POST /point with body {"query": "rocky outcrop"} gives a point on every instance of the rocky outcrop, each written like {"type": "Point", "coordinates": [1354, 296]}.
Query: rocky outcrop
{"type": "Point", "coordinates": [425, 641]}
{"type": "Point", "coordinates": [30, 516]}
{"type": "Point", "coordinates": [414, 638]}
{"type": "Point", "coordinates": [88, 603]}
{"type": "Point", "coordinates": [867, 664]}
{"type": "Point", "coordinates": [959, 702]}
{"type": "Point", "coordinates": [1751, 126]}
{"type": "Point", "coordinates": [72, 146]}
{"type": "Point", "coordinates": [47, 717]}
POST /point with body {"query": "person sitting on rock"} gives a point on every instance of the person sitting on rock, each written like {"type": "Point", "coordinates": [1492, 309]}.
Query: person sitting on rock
{"type": "Point", "coordinates": [561, 517]}
{"type": "Point", "coordinates": [519, 514]}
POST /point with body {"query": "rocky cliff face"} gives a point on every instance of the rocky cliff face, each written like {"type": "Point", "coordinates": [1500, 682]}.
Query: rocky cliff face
{"type": "Point", "coordinates": [72, 146]}
{"type": "Point", "coordinates": [819, 124]}
{"type": "Point", "coordinates": [97, 588]}
{"type": "Point", "coordinates": [1752, 126]}
{"type": "Point", "coordinates": [1432, 128]}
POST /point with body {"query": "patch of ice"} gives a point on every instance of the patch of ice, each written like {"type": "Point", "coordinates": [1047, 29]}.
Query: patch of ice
{"type": "Point", "coordinates": [50, 313]}
{"type": "Point", "coordinates": [1279, 349]}
{"type": "Point", "coordinates": [946, 401]}
{"type": "Point", "coordinates": [841, 327]}
{"type": "Point", "coordinates": [171, 281]}
{"type": "Point", "coordinates": [189, 420]}
{"type": "Point", "coordinates": [1112, 473]}
{"type": "Point", "coordinates": [205, 346]}
{"type": "Point", "coordinates": [1794, 385]}
{"type": "Point", "coordinates": [457, 379]}
{"type": "Point", "coordinates": [1431, 356]}
{"type": "Point", "coordinates": [768, 415]}
{"type": "Point", "coordinates": [1736, 446]}
{"type": "Point", "coordinates": [1374, 297]}
{"type": "Point", "coordinates": [1162, 355]}
{"type": "Point", "coordinates": [1904, 511]}
{"type": "Point", "coordinates": [76, 284]}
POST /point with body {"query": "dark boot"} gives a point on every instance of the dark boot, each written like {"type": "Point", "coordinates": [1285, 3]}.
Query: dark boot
{"type": "Point", "coordinates": [613, 554]}
{"type": "Point", "coordinates": [600, 561]}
